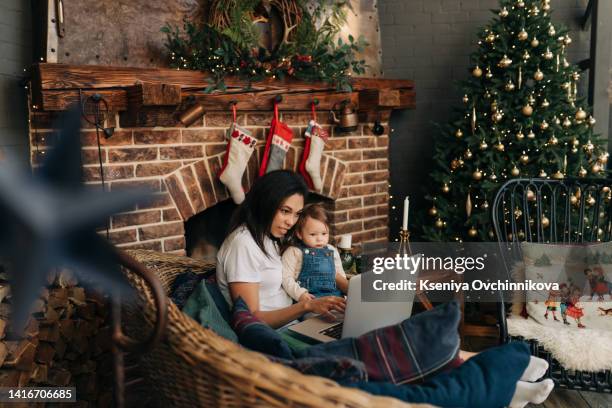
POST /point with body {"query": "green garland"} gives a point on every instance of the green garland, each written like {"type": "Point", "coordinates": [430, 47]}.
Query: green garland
{"type": "Point", "coordinates": [313, 54]}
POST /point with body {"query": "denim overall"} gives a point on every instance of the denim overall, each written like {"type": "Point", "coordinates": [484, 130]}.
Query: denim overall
{"type": "Point", "coordinates": [318, 273]}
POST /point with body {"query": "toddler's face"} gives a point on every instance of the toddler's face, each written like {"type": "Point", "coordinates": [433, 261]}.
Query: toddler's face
{"type": "Point", "coordinates": [314, 233]}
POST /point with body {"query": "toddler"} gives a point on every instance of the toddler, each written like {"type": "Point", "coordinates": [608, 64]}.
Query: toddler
{"type": "Point", "coordinates": [312, 268]}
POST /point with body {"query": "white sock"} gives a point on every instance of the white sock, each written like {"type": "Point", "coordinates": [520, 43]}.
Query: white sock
{"type": "Point", "coordinates": [534, 393]}
{"type": "Point", "coordinates": [313, 162]}
{"type": "Point", "coordinates": [535, 370]}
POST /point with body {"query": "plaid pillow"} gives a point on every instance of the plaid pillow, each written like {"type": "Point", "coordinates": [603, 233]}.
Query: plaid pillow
{"type": "Point", "coordinates": [406, 352]}
{"type": "Point", "coordinates": [335, 368]}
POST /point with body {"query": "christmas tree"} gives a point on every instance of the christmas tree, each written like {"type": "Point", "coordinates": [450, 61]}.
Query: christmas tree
{"type": "Point", "coordinates": [520, 117]}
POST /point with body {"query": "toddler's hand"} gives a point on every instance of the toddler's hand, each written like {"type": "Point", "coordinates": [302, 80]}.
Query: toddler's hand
{"type": "Point", "coordinates": [306, 296]}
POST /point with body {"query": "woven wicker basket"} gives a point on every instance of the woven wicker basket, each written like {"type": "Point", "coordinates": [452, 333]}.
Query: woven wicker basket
{"type": "Point", "coordinates": [194, 367]}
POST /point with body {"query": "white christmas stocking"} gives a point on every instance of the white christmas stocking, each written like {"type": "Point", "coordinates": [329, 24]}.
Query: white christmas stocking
{"type": "Point", "coordinates": [312, 164]}
{"type": "Point", "coordinates": [239, 149]}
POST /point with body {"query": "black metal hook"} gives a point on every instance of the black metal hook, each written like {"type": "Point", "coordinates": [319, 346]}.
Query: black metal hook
{"type": "Point", "coordinates": [278, 98]}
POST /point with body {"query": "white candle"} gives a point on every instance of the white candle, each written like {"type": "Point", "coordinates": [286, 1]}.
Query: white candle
{"type": "Point", "coordinates": [345, 241]}
{"type": "Point", "coordinates": [406, 209]}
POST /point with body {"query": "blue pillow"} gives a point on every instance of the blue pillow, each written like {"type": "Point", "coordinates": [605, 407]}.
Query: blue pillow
{"type": "Point", "coordinates": [183, 286]}
{"type": "Point", "coordinates": [255, 334]}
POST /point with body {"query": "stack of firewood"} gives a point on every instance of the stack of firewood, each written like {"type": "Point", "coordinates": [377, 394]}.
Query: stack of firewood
{"type": "Point", "coordinates": [66, 342]}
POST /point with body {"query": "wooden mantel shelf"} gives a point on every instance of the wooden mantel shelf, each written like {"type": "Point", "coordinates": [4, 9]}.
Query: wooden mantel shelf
{"type": "Point", "coordinates": [56, 87]}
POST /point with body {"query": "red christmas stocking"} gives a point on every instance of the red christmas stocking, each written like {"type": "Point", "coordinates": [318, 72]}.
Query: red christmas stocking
{"type": "Point", "coordinates": [277, 145]}
{"type": "Point", "coordinates": [310, 166]}
{"type": "Point", "coordinates": [239, 149]}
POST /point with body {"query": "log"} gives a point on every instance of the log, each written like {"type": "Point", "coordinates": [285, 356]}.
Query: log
{"type": "Point", "coordinates": [59, 377]}
{"type": "Point", "coordinates": [153, 94]}
{"type": "Point", "coordinates": [65, 76]}
{"type": "Point", "coordinates": [259, 101]}
{"type": "Point", "coordinates": [3, 353]}
{"type": "Point", "coordinates": [59, 100]}
{"type": "Point", "coordinates": [40, 374]}
{"type": "Point", "coordinates": [149, 117]}
{"type": "Point", "coordinates": [45, 353]}
{"type": "Point", "coordinates": [9, 377]}
{"type": "Point", "coordinates": [49, 333]}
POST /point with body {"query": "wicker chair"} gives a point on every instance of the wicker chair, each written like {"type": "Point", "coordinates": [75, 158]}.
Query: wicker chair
{"type": "Point", "coordinates": [585, 218]}
{"type": "Point", "coordinates": [194, 367]}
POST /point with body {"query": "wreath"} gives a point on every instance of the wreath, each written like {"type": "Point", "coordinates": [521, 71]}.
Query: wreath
{"type": "Point", "coordinates": [256, 39]}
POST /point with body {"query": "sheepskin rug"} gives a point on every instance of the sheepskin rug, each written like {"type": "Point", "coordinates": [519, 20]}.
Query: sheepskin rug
{"type": "Point", "coordinates": [576, 349]}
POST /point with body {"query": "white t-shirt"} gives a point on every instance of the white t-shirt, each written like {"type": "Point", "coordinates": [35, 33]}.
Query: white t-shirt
{"type": "Point", "coordinates": [240, 260]}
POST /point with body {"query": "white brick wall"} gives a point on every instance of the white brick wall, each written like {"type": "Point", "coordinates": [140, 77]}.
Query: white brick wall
{"type": "Point", "coordinates": [429, 41]}
{"type": "Point", "coordinates": [16, 54]}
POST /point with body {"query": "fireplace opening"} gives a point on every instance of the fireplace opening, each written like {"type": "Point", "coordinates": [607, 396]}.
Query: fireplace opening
{"type": "Point", "coordinates": [205, 231]}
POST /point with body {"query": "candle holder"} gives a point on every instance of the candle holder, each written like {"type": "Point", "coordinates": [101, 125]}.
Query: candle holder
{"type": "Point", "coordinates": [347, 258]}
{"type": "Point", "coordinates": [404, 243]}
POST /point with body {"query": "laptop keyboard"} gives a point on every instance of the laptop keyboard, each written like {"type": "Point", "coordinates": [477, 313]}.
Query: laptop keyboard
{"type": "Point", "coordinates": [334, 331]}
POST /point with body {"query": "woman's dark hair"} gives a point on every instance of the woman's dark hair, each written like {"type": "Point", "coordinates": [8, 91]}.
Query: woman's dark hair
{"type": "Point", "coordinates": [263, 200]}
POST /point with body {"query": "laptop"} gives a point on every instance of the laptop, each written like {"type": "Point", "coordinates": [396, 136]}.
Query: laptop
{"type": "Point", "coordinates": [359, 317]}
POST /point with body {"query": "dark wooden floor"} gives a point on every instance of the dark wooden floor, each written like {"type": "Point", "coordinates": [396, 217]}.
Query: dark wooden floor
{"type": "Point", "coordinates": [561, 398]}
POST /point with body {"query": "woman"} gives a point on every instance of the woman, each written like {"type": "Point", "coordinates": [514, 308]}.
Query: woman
{"type": "Point", "coordinates": [249, 263]}
{"type": "Point", "coordinates": [249, 266]}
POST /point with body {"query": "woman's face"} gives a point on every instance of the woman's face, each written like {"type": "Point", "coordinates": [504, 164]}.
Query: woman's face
{"type": "Point", "coordinates": [287, 215]}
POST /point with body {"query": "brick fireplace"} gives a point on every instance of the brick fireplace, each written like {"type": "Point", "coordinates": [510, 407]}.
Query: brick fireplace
{"type": "Point", "coordinates": [180, 164]}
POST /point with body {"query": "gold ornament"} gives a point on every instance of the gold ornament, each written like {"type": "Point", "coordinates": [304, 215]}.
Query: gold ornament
{"type": "Point", "coordinates": [503, 12]}
{"type": "Point", "coordinates": [596, 168]}
{"type": "Point", "coordinates": [494, 106]}
{"type": "Point", "coordinates": [527, 110]}
{"type": "Point", "coordinates": [445, 188]}
{"type": "Point", "coordinates": [604, 158]}
{"type": "Point", "coordinates": [575, 142]}
{"type": "Point", "coordinates": [490, 37]}
{"type": "Point", "coordinates": [581, 114]}
{"type": "Point", "coordinates": [567, 40]}
{"type": "Point", "coordinates": [526, 55]}
{"type": "Point", "coordinates": [468, 205]}
{"type": "Point", "coordinates": [500, 147]}
{"type": "Point", "coordinates": [489, 74]}
{"type": "Point", "coordinates": [433, 211]}
{"type": "Point", "coordinates": [538, 75]}
{"type": "Point", "coordinates": [582, 172]}
{"type": "Point", "coordinates": [504, 62]}
{"type": "Point", "coordinates": [472, 232]}
{"type": "Point", "coordinates": [574, 199]}
{"type": "Point", "coordinates": [483, 145]}
{"type": "Point", "coordinates": [591, 120]}
{"type": "Point", "coordinates": [520, 78]}
{"type": "Point", "coordinates": [473, 120]}
{"type": "Point", "coordinates": [542, 173]}
{"type": "Point", "coordinates": [454, 164]}
{"type": "Point", "coordinates": [497, 116]}
{"type": "Point", "coordinates": [459, 134]}
{"type": "Point", "coordinates": [545, 103]}
{"type": "Point", "coordinates": [461, 162]}
{"type": "Point", "coordinates": [574, 150]}
{"type": "Point", "coordinates": [589, 147]}
{"type": "Point", "coordinates": [544, 125]}
{"type": "Point", "coordinates": [439, 224]}
{"type": "Point", "coordinates": [558, 175]}
{"type": "Point", "coordinates": [493, 177]}
{"type": "Point", "coordinates": [477, 175]}
{"type": "Point", "coordinates": [591, 200]}
{"type": "Point", "coordinates": [546, 6]}
{"type": "Point", "coordinates": [605, 190]}
{"type": "Point", "coordinates": [551, 30]}
{"type": "Point", "coordinates": [534, 11]}
{"type": "Point", "coordinates": [520, 4]}
{"type": "Point", "coordinates": [545, 222]}
{"type": "Point", "coordinates": [487, 94]}
{"type": "Point", "coordinates": [534, 42]}
{"type": "Point", "coordinates": [566, 63]}
{"type": "Point", "coordinates": [556, 120]}
{"type": "Point", "coordinates": [465, 98]}
{"type": "Point", "coordinates": [524, 159]}
{"type": "Point", "coordinates": [515, 171]}
{"type": "Point", "coordinates": [468, 154]}
{"type": "Point", "coordinates": [530, 135]}
{"type": "Point", "coordinates": [553, 140]}
{"type": "Point", "coordinates": [566, 85]}
{"type": "Point", "coordinates": [517, 213]}
{"type": "Point", "coordinates": [485, 204]}
{"type": "Point", "coordinates": [576, 76]}
{"type": "Point", "coordinates": [531, 99]}
{"type": "Point", "coordinates": [567, 122]}
{"type": "Point", "coordinates": [548, 54]}
{"type": "Point", "coordinates": [509, 86]}
{"type": "Point", "coordinates": [520, 135]}
{"type": "Point", "coordinates": [477, 72]}
{"type": "Point", "coordinates": [530, 195]}
{"type": "Point", "coordinates": [522, 35]}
